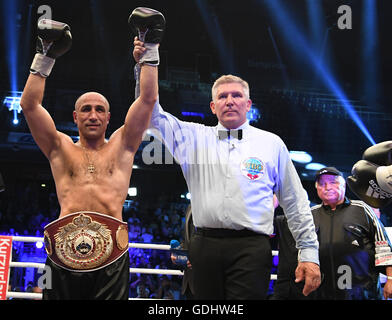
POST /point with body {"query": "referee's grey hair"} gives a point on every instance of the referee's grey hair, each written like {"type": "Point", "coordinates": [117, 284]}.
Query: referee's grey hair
{"type": "Point", "coordinates": [229, 78]}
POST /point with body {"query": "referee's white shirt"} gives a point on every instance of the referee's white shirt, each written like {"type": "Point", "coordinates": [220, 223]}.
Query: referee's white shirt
{"type": "Point", "coordinates": [232, 181]}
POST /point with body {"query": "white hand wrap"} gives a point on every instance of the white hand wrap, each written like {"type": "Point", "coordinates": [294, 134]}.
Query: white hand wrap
{"type": "Point", "coordinates": [42, 65]}
{"type": "Point", "coordinates": [151, 55]}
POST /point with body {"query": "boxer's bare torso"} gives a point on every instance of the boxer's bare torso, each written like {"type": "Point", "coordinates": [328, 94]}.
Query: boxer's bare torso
{"type": "Point", "coordinates": [92, 179]}
{"type": "Point", "coordinates": [92, 174]}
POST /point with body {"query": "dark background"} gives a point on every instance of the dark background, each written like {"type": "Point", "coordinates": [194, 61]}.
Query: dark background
{"type": "Point", "coordinates": [204, 39]}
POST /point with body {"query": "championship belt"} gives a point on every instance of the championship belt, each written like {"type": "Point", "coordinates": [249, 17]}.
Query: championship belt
{"type": "Point", "coordinates": [85, 241]}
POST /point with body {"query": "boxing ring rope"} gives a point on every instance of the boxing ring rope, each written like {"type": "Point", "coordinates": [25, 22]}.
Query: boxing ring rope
{"type": "Point", "coordinates": [38, 296]}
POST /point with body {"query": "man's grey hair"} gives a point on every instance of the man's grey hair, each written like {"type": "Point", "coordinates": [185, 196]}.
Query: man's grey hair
{"type": "Point", "coordinates": [229, 78]}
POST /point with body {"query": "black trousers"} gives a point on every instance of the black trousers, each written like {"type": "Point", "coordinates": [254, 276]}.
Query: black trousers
{"type": "Point", "coordinates": [230, 267]}
{"type": "Point", "coordinates": [108, 283]}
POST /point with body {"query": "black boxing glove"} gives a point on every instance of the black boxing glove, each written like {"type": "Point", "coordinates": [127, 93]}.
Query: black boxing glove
{"type": "Point", "coordinates": [54, 39]}
{"type": "Point", "coordinates": [380, 153]}
{"type": "Point", "coordinates": [149, 25]}
{"type": "Point", "coordinates": [370, 183]}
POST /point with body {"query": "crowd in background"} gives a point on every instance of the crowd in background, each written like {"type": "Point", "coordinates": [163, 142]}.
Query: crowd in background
{"type": "Point", "coordinates": [25, 208]}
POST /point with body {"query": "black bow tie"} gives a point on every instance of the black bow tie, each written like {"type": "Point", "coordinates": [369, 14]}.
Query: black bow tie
{"type": "Point", "coordinates": [223, 134]}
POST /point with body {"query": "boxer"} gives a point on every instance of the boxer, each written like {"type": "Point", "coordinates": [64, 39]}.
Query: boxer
{"type": "Point", "coordinates": [87, 245]}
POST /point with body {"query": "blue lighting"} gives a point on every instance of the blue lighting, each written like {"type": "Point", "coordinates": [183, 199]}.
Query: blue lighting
{"type": "Point", "coordinates": [12, 102]}
{"type": "Point", "coordinates": [192, 114]}
{"type": "Point", "coordinates": [253, 114]}
{"type": "Point", "coordinates": [11, 32]}
{"type": "Point", "coordinates": [370, 65]}
{"type": "Point", "coordinates": [299, 44]}
{"type": "Point", "coordinates": [317, 25]}
{"type": "Point", "coordinates": [316, 22]}
{"type": "Point", "coordinates": [275, 260]}
{"type": "Point", "coordinates": [314, 166]}
{"type": "Point", "coordinates": [300, 156]}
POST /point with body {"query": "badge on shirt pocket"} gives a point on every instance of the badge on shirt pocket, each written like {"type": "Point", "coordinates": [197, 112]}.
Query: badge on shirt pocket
{"type": "Point", "coordinates": [252, 168]}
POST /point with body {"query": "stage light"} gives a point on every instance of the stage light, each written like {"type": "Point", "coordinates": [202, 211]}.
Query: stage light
{"type": "Point", "coordinates": [39, 244]}
{"type": "Point", "coordinates": [315, 17]}
{"type": "Point", "coordinates": [253, 114]}
{"type": "Point", "coordinates": [314, 166]}
{"type": "Point", "coordinates": [370, 63]}
{"type": "Point", "coordinates": [132, 192]}
{"type": "Point", "coordinates": [300, 156]}
{"type": "Point", "coordinates": [297, 41]}
{"type": "Point", "coordinates": [186, 196]}
{"type": "Point", "coordinates": [12, 102]}
{"type": "Point", "coordinates": [10, 26]}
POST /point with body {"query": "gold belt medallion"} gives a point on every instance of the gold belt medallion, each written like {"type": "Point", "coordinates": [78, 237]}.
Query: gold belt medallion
{"type": "Point", "coordinates": [83, 243]}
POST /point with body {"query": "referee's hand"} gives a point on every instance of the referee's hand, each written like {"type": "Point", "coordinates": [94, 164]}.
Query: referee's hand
{"type": "Point", "coordinates": [387, 290]}
{"type": "Point", "coordinates": [310, 272]}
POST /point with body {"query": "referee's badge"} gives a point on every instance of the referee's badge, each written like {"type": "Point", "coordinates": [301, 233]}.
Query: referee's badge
{"type": "Point", "coordinates": [252, 168]}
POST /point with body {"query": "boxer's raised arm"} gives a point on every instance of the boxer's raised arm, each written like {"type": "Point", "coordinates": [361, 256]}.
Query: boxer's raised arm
{"type": "Point", "coordinates": [149, 25]}
{"type": "Point", "coordinates": [139, 114]}
{"type": "Point", "coordinates": [54, 39]}
{"type": "Point", "coordinates": [38, 119]}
